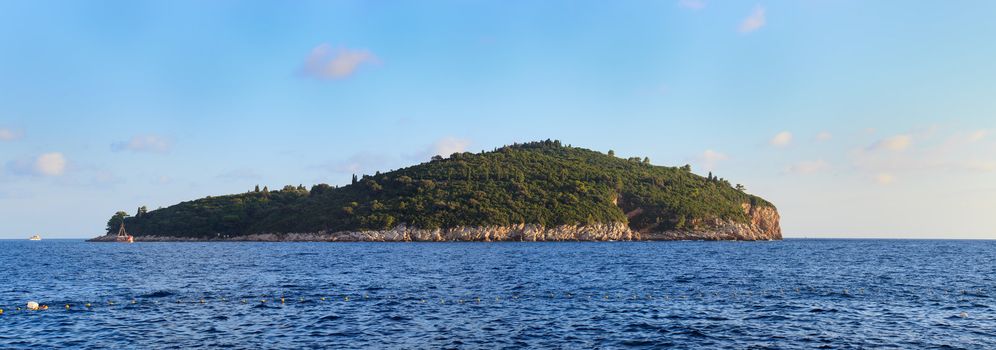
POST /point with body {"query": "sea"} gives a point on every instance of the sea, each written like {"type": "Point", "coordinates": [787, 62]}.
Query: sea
{"type": "Point", "coordinates": [790, 294]}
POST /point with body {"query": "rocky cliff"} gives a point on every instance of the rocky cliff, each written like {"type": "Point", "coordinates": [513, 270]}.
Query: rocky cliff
{"type": "Point", "coordinates": [763, 225]}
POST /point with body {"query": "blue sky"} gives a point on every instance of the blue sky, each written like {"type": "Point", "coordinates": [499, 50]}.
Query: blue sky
{"type": "Point", "coordinates": [856, 118]}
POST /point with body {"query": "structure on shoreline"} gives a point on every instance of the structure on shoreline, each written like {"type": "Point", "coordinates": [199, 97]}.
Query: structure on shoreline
{"type": "Point", "coordinates": [123, 236]}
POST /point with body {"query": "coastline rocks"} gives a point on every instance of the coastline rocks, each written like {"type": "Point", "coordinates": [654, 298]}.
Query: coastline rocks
{"type": "Point", "coordinates": [762, 224]}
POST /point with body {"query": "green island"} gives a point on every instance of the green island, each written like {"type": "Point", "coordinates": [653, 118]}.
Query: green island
{"type": "Point", "coordinates": [537, 191]}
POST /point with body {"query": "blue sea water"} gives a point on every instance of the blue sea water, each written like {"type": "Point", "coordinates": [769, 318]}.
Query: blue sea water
{"type": "Point", "coordinates": [795, 293]}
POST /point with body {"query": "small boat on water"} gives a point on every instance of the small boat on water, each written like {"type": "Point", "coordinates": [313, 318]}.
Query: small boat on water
{"type": "Point", "coordinates": [35, 238]}
{"type": "Point", "coordinates": [123, 236]}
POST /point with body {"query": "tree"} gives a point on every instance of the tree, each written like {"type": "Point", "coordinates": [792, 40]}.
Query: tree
{"type": "Point", "coordinates": [612, 153]}
{"type": "Point", "coordinates": [741, 188]}
{"type": "Point", "coordinates": [141, 211]}
{"type": "Point", "coordinates": [710, 176]}
{"type": "Point", "coordinates": [115, 221]}
{"type": "Point", "coordinates": [437, 158]}
{"type": "Point", "coordinates": [355, 179]}
{"type": "Point", "coordinates": [266, 191]}
{"type": "Point", "coordinates": [646, 160]}
{"type": "Point", "coordinates": [257, 189]}
{"type": "Point", "coordinates": [686, 167]}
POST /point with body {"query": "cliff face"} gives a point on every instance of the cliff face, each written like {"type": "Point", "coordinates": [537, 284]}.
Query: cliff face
{"type": "Point", "coordinates": [762, 225]}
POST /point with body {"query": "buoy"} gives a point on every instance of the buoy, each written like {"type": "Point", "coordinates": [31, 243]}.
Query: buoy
{"type": "Point", "coordinates": [346, 298]}
{"type": "Point", "coordinates": [323, 298]}
{"type": "Point", "coordinates": [243, 301]}
{"type": "Point", "coordinates": [963, 314]}
{"type": "Point", "coordinates": [202, 301]}
{"type": "Point", "coordinates": [133, 301]}
{"type": "Point", "coordinates": [67, 306]}
{"type": "Point", "coordinates": [32, 305]}
{"type": "Point", "coordinates": [281, 300]}
{"type": "Point", "coordinates": [1, 311]}
{"type": "Point", "coordinates": [87, 304]}
{"type": "Point", "coordinates": [44, 307]}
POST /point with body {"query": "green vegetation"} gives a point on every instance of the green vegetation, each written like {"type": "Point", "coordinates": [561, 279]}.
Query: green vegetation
{"type": "Point", "coordinates": [540, 182]}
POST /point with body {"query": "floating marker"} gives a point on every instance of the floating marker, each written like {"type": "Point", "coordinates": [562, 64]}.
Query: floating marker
{"type": "Point", "coordinates": [1, 311]}
{"type": "Point", "coordinates": [67, 306]}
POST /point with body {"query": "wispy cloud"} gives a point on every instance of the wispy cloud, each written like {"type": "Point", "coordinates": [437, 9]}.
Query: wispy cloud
{"type": "Point", "coordinates": [895, 143]}
{"type": "Point", "coordinates": [709, 159]}
{"type": "Point", "coordinates": [443, 147]}
{"type": "Point", "coordinates": [977, 135]}
{"type": "Point", "coordinates": [359, 163]}
{"type": "Point", "coordinates": [824, 136]}
{"type": "Point", "coordinates": [144, 143]}
{"type": "Point", "coordinates": [692, 4]}
{"type": "Point", "coordinates": [9, 134]}
{"type": "Point", "coordinates": [47, 164]}
{"type": "Point", "coordinates": [326, 62]}
{"type": "Point", "coordinates": [884, 178]}
{"type": "Point", "coordinates": [808, 167]}
{"type": "Point", "coordinates": [448, 145]}
{"type": "Point", "coordinates": [781, 139]}
{"type": "Point", "coordinates": [754, 21]}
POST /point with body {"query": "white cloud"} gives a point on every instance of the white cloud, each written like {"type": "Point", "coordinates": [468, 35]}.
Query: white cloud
{"type": "Point", "coordinates": [9, 135]}
{"type": "Point", "coordinates": [755, 21]}
{"type": "Point", "coordinates": [896, 143]}
{"type": "Point", "coordinates": [51, 164]}
{"type": "Point", "coordinates": [47, 164]}
{"type": "Point", "coordinates": [808, 167]}
{"type": "Point", "coordinates": [782, 139]}
{"type": "Point", "coordinates": [448, 145]}
{"type": "Point", "coordinates": [824, 136]}
{"type": "Point", "coordinates": [978, 135]}
{"type": "Point", "coordinates": [884, 178]}
{"type": "Point", "coordinates": [692, 4]}
{"type": "Point", "coordinates": [326, 62]}
{"type": "Point", "coordinates": [144, 143]}
{"type": "Point", "coordinates": [709, 159]}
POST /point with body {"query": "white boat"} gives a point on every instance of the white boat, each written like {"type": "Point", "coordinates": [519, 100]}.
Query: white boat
{"type": "Point", "coordinates": [35, 238]}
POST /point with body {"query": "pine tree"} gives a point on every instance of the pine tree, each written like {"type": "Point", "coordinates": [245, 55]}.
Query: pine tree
{"type": "Point", "coordinates": [257, 188]}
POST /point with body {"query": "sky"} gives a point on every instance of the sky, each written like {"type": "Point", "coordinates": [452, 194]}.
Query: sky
{"type": "Point", "coordinates": [856, 118]}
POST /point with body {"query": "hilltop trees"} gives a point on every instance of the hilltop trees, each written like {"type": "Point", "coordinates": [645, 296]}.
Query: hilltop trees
{"type": "Point", "coordinates": [115, 221]}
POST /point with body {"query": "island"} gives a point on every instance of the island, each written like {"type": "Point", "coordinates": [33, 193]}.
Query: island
{"type": "Point", "coordinates": [536, 191]}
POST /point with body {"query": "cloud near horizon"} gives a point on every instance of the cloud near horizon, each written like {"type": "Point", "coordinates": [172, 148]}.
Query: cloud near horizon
{"type": "Point", "coordinates": [144, 143]}
{"type": "Point", "coordinates": [754, 21]}
{"type": "Point", "coordinates": [328, 63]}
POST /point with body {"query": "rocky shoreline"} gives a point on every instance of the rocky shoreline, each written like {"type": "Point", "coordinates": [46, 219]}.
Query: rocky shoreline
{"type": "Point", "coordinates": [763, 226]}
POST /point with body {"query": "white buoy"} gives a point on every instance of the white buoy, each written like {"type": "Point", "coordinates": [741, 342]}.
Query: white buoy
{"type": "Point", "coordinates": [32, 305]}
{"type": "Point", "coordinates": [963, 314]}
